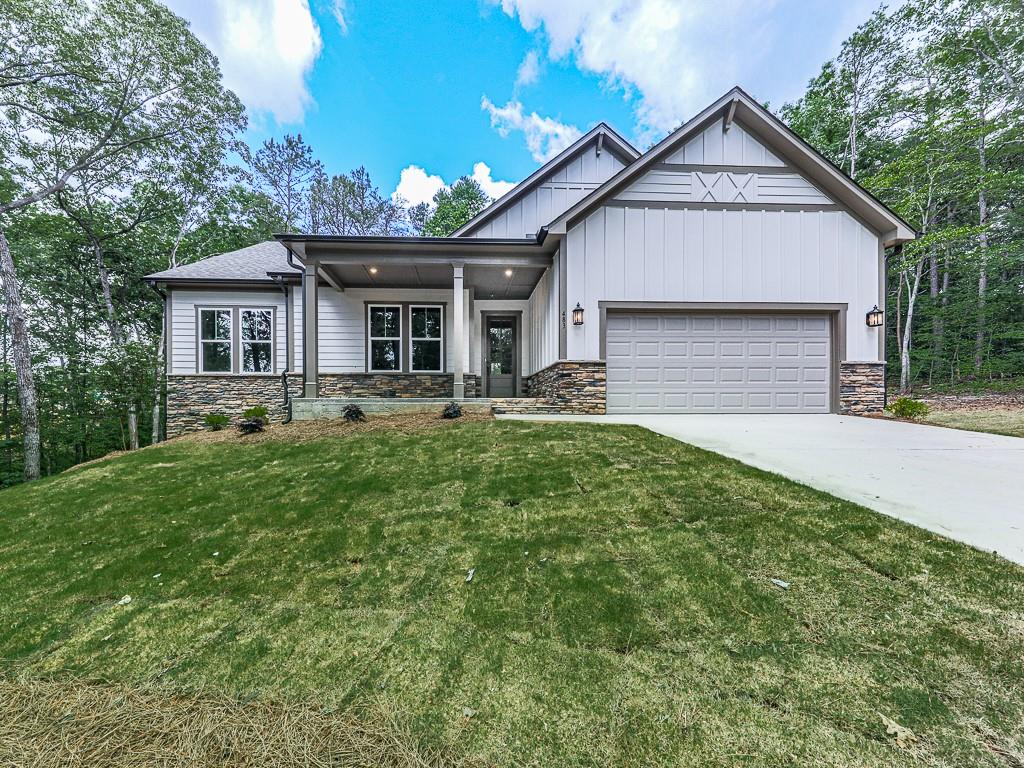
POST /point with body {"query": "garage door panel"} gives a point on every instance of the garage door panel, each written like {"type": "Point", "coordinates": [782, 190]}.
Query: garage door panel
{"type": "Point", "coordinates": [679, 362]}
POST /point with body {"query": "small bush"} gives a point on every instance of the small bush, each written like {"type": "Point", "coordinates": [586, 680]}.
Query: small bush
{"type": "Point", "coordinates": [251, 426]}
{"type": "Point", "coordinates": [908, 408]}
{"type": "Point", "coordinates": [353, 412]}
{"type": "Point", "coordinates": [451, 411]}
{"type": "Point", "coordinates": [256, 412]}
{"type": "Point", "coordinates": [216, 421]}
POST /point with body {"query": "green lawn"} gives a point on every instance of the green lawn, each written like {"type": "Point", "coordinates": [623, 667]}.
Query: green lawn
{"type": "Point", "coordinates": [621, 610]}
{"type": "Point", "coordinates": [1001, 421]}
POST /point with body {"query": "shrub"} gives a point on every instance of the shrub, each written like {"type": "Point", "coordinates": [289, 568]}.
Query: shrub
{"type": "Point", "coordinates": [250, 426]}
{"type": "Point", "coordinates": [353, 412]}
{"type": "Point", "coordinates": [216, 421]}
{"type": "Point", "coordinates": [256, 412]}
{"type": "Point", "coordinates": [908, 408]}
{"type": "Point", "coordinates": [451, 411]}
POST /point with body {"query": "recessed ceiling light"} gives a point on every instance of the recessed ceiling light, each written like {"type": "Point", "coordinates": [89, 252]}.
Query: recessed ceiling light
{"type": "Point", "coordinates": [508, 273]}
{"type": "Point", "coordinates": [373, 270]}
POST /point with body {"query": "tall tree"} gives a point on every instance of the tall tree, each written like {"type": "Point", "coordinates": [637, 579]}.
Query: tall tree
{"type": "Point", "coordinates": [284, 170]}
{"type": "Point", "coordinates": [85, 85]}
{"type": "Point", "coordinates": [455, 206]}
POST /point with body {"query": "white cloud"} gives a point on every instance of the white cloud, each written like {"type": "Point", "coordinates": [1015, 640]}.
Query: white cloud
{"type": "Point", "coordinates": [266, 49]}
{"type": "Point", "coordinates": [529, 70]}
{"type": "Point", "coordinates": [545, 136]}
{"type": "Point", "coordinates": [493, 187]}
{"type": "Point", "coordinates": [415, 186]}
{"type": "Point", "coordinates": [339, 8]}
{"type": "Point", "coordinates": [659, 53]}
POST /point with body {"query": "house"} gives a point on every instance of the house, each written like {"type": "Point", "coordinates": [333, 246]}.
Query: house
{"type": "Point", "coordinates": [730, 268]}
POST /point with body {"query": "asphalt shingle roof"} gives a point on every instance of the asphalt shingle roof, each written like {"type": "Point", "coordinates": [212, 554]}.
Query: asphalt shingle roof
{"type": "Point", "coordinates": [251, 263]}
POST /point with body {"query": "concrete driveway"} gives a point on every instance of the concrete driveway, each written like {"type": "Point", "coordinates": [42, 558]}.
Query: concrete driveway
{"type": "Point", "coordinates": [968, 486]}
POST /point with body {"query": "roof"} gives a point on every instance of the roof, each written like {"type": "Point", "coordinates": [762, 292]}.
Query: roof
{"type": "Point", "coordinates": [609, 138]}
{"type": "Point", "coordinates": [781, 140]}
{"type": "Point", "coordinates": [255, 263]}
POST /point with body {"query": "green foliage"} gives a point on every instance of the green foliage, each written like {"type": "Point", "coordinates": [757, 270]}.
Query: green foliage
{"type": "Point", "coordinates": [352, 205]}
{"type": "Point", "coordinates": [908, 408]}
{"type": "Point", "coordinates": [455, 206]}
{"type": "Point", "coordinates": [257, 412]}
{"type": "Point", "coordinates": [216, 421]}
{"type": "Point", "coordinates": [283, 171]}
{"type": "Point", "coordinates": [353, 412]}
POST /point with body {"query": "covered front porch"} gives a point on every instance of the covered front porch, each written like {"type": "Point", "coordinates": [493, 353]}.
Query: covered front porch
{"type": "Point", "coordinates": [413, 322]}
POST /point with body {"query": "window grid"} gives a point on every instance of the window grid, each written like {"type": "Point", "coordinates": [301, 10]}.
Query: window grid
{"type": "Point", "coordinates": [427, 340]}
{"type": "Point", "coordinates": [389, 339]}
{"type": "Point", "coordinates": [215, 349]}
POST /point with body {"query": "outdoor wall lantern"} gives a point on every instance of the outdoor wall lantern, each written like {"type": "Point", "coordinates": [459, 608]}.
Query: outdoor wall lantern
{"type": "Point", "coordinates": [874, 317]}
{"type": "Point", "coordinates": [577, 315]}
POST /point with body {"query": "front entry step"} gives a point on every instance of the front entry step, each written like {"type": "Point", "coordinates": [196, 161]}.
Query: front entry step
{"type": "Point", "coordinates": [502, 405]}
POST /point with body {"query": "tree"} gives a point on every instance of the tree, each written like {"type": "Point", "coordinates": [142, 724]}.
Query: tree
{"type": "Point", "coordinates": [455, 206]}
{"type": "Point", "coordinates": [352, 205]}
{"type": "Point", "coordinates": [87, 86]}
{"type": "Point", "coordinates": [284, 171]}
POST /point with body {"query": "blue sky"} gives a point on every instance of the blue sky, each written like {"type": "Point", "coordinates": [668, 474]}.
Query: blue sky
{"type": "Point", "coordinates": [424, 92]}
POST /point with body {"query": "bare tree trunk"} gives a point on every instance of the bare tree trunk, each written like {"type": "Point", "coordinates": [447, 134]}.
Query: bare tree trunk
{"type": "Point", "coordinates": [905, 341]}
{"type": "Point", "coordinates": [117, 335]}
{"type": "Point", "coordinates": [979, 336]}
{"type": "Point", "coordinates": [22, 361]}
{"type": "Point", "coordinates": [937, 330]}
{"type": "Point", "coordinates": [7, 394]}
{"type": "Point", "coordinates": [158, 379]}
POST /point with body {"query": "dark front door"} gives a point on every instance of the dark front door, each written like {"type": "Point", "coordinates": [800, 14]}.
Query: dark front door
{"type": "Point", "coordinates": [500, 360]}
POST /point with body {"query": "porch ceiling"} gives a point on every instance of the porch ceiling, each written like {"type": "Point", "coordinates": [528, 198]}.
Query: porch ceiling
{"type": "Point", "coordinates": [488, 282]}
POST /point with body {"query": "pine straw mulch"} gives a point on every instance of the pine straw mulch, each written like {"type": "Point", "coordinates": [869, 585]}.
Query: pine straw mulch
{"type": "Point", "coordinates": [969, 402]}
{"type": "Point", "coordinates": [51, 724]}
{"type": "Point", "coordinates": [303, 431]}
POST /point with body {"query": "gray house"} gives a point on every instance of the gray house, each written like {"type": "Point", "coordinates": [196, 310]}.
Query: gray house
{"type": "Point", "coordinates": [730, 268]}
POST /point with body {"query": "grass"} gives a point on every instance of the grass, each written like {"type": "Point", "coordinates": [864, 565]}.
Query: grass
{"type": "Point", "coordinates": [999, 421]}
{"type": "Point", "coordinates": [621, 610]}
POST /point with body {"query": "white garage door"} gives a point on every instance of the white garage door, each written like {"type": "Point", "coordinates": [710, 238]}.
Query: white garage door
{"type": "Point", "coordinates": [698, 362]}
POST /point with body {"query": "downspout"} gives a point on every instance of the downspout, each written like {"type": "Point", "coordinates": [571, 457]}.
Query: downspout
{"type": "Point", "coordinates": [284, 374]}
{"type": "Point", "coordinates": [287, 402]}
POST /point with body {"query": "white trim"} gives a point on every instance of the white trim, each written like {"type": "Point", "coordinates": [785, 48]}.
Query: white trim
{"type": "Point", "coordinates": [200, 340]}
{"type": "Point", "coordinates": [370, 338]}
{"type": "Point", "coordinates": [242, 341]}
{"type": "Point", "coordinates": [412, 368]}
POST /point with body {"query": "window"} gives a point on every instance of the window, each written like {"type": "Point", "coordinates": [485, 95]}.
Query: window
{"type": "Point", "coordinates": [426, 352]}
{"type": "Point", "coordinates": [256, 331]}
{"type": "Point", "coordinates": [385, 337]}
{"type": "Point", "coordinates": [215, 340]}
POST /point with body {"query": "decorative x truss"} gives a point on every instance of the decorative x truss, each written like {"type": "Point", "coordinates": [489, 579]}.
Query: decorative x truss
{"type": "Point", "coordinates": [724, 187]}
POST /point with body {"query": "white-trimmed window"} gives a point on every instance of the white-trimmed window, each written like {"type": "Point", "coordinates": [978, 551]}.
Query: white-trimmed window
{"type": "Point", "coordinates": [384, 338]}
{"type": "Point", "coordinates": [215, 326]}
{"type": "Point", "coordinates": [256, 335]}
{"type": "Point", "coordinates": [426, 337]}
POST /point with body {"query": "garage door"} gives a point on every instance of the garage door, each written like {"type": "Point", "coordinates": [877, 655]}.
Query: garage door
{"type": "Point", "coordinates": [693, 363]}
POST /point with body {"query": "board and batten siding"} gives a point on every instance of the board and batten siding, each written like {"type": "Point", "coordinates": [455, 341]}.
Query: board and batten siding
{"type": "Point", "coordinates": [626, 253]}
{"type": "Point", "coordinates": [184, 334]}
{"type": "Point", "coordinates": [713, 146]}
{"type": "Point", "coordinates": [543, 328]}
{"type": "Point", "coordinates": [342, 324]}
{"type": "Point", "coordinates": [563, 188]}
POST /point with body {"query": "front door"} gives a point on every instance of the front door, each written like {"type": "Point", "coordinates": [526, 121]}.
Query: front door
{"type": "Point", "coordinates": [500, 357]}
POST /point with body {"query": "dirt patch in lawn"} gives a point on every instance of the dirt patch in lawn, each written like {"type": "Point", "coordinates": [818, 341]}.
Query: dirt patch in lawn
{"type": "Point", "coordinates": [304, 431]}
{"type": "Point", "coordinates": [61, 723]}
{"type": "Point", "coordinates": [975, 402]}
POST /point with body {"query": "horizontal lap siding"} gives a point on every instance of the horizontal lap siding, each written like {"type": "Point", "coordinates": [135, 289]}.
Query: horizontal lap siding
{"type": "Point", "coordinates": [342, 324]}
{"type": "Point", "coordinates": [184, 335]}
{"type": "Point", "coordinates": [686, 255]}
{"type": "Point", "coordinates": [496, 306]}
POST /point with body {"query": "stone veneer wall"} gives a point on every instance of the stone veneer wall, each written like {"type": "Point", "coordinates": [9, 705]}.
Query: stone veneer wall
{"type": "Point", "coordinates": [571, 386]}
{"type": "Point", "coordinates": [861, 388]}
{"type": "Point", "coordinates": [191, 397]}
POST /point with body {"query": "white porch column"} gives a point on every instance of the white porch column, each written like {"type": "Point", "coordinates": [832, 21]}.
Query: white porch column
{"type": "Point", "coordinates": [459, 332]}
{"type": "Point", "coordinates": [310, 338]}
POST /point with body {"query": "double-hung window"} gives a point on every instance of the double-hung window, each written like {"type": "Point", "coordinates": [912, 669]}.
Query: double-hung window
{"type": "Point", "coordinates": [385, 337]}
{"type": "Point", "coordinates": [236, 340]}
{"type": "Point", "coordinates": [426, 350]}
{"type": "Point", "coordinates": [215, 326]}
{"type": "Point", "coordinates": [257, 340]}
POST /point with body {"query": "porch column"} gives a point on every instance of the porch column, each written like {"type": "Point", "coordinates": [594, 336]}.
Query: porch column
{"type": "Point", "coordinates": [459, 332]}
{"type": "Point", "coordinates": [310, 338]}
